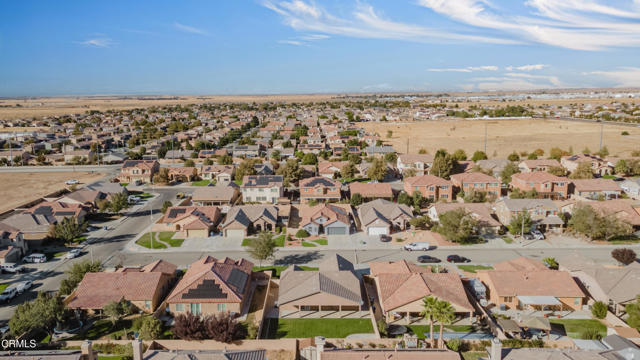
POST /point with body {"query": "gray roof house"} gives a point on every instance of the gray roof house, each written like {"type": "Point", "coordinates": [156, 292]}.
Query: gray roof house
{"type": "Point", "coordinates": [333, 287]}
{"type": "Point", "coordinates": [244, 219]}
{"type": "Point", "coordinates": [382, 217]}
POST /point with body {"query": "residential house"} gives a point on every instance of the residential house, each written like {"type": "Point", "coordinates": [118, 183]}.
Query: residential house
{"type": "Point", "coordinates": [383, 217]}
{"type": "Point", "coordinates": [12, 246]}
{"type": "Point", "coordinates": [224, 354]}
{"type": "Point", "coordinates": [319, 188]}
{"type": "Point", "coordinates": [527, 166]}
{"type": "Point", "coordinates": [262, 188]}
{"type": "Point", "coordinates": [401, 287]}
{"type": "Point", "coordinates": [379, 150]}
{"type": "Point", "coordinates": [477, 181]}
{"type": "Point", "coordinates": [532, 288]}
{"type": "Point", "coordinates": [334, 287]}
{"type": "Point", "coordinates": [60, 210]}
{"type": "Point", "coordinates": [599, 166]}
{"type": "Point", "coordinates": [615, 286]}
{"type": "Point", "coordinates": [431, 187]}
{"type": "Point", "coordinates": [418, 162]}
{"type": "Point", "coordinates": [543, 212]}
{"type": "Point", "coordinates": [144, 287]}
{"type": "Point", "coordinates": [249, 151]}
{"type": "Point", "coordinates": [325, 219]}
{"type": "Point", "coordinates": [312, 148]}
{"type": "Point", "coordinates": [86, 197]}
{"type": "Point", "coordinates": [370, 191]}
{"type": "Point", "coordinates": [212, 286]}
{"type": "Point", "coordinates": [220, 195]}
{"type": "Point", "coordinates": [494, 165]}
{"type": "Point", "coordinates": [222, 174]}
{"type": "Point", "coordinates": [78, 155]}
{"type": "Point", "coordinates": [330, 168]}
{"type": "Point", "coordinates": [247, 219]}
{"type": "Point", "coordinates": [487, 223]}
{"type": "Point", "coordinates": [138, 171]}
{"type": "Point", "coordinates": [547, 185]}
{"type": "Point", "coordinates": [624, 209]}
{"type": "Point", "coordinates": [34, 227]}
{"type": "Point", "coordinates": [190, 221]}
{"type": "Point", "coordinates": [595, 189]}
{"type": "Point", "coordinates": [182, 174]}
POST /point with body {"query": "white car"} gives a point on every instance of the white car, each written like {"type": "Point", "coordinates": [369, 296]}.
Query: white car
{"type": "Point", "coordinates": [537, 234]}
{"type": "Point", "coordinates": [8, 294]}
{"type": "Point", "coordinates": [72, 254]}
{"type": "Point", "coordinates": [35, 258]}
{"type": "Point", "coordinates": [72, 182]}
{"type": "Point", "coordinates": [22, 286]}
{"type": "Point", "coordinates": [133, 199]}
{"type": "Point", "coordinates": [417, 246]}
{"type": "Point", "coordinates": [11, 268]}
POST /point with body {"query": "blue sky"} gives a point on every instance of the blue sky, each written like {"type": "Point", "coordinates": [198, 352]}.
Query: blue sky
{"type": "Point", "coordinates": [303, 46]}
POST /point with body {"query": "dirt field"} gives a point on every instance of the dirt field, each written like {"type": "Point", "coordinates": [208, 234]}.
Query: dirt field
{"type": "Point", "coordinates": [505, 136]}
{"type": "Point", "coordinates": [20, 188]}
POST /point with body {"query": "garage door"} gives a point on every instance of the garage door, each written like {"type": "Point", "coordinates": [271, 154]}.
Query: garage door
{"type": "Point", "coordinates": [235, 233]}
{"type": "Point", "coordinates": [380, 230]}
{"type": "Point", "coordinates": [336, 231]}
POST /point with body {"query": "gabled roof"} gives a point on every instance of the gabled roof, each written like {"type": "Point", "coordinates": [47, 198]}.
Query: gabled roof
{"type": "Point", "coordinates": [522, 263]}
{"type": "Point", "coordinates": [382, 209]}
{"type": "Point", "coordinates": [481, 211]}
{"type": "Point", "coordinates": [534, 283]}
{"type": "Point", "coordinates": [395, 267]}
{"type": "Point", "coordinates": [257, 181]}
{"type": "Point", "coordinates": [596, 185]}
{"type": "Point", "coordinates": [369, 190]}
{"type": "Point", "coordinates": [539, 177]}
{"type": "Point", "coordinates": [247, 214]}
{"type": "Point", "coordinates": [474, 177]}
{"type": "Point", "coordinates": [146, 164]}
{"type": "Point", "coordinates": [319, 181]}
{"type": "Point", "coordinates": [426, 180]}
{"type": "Point", "coordinates": [332, 212]}
{"type": "Point", "coordinates": [527, 204]}
{"type": "Point", "coordinates": [215, 193]}
{"type": "Point", "coordinates": [204, 215]}
{"type": "Point", "coordinates": [212, 280]}
{"type": "Point", "coordinates": [415, 158]}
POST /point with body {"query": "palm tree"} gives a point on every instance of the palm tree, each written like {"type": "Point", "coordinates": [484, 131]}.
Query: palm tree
{"type": "Point", "coordinates": [444, 313]}
{"type": "Point", "coordinates": [429, 304]}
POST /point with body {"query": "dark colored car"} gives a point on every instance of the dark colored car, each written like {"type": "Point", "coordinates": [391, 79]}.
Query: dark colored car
{"type": "Point", "coordinates": [428, 259]}
{"type": "Point", "coordinates": [457, 259]}
{"type": "Point", "coordinates": [385, 238]}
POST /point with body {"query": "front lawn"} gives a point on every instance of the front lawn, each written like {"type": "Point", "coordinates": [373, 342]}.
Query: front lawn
{"type": "Point", "coordinates": [3, 286]}
{"type": "Point", "coordinates": [105, 328]}
{"type": "Point", "coordinates": [308, 244]}
{"type": "Point", "coordinates": [200, 183]}
{"type": "Point", "coordinates": [175, 242]}
{"type": "Point", "coordinates": [473, 268]}
{"type": "Point", "coordinates": [279, 268]}
{"type": "Point", "coordinates": [305, 328]}
{"type": "Point", "coordinates": [575, 327]}
{"type": "Point", "coordinates": [321, 241]}
{"type": "Point", "coordinates": [420, 330]}
{"type": "Point", "coordinates": [507, 239]}
{"type": "Point", "coordinates": [278, 239]}
{"type": "Point", "coordinates": [145, 240]}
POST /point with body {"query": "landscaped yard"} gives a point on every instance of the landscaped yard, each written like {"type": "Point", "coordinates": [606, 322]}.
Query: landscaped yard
{"type": "Point", "coordinates": [575, 327]}
{"type": "Point", "coordinates": [321, 241]}
{"type": "Point", "coordinates": [473, 268]}
{"type": "Point", "coordinates": [507, 239]}
{"type": "Point", "coordinates": [278, 239]}
{"type": "Point", "coordinates": [145, 240]}
{"type": "Point", "coordinates": [201, 183]}
{"type": "Point", "coordinates": [280, 268]}
{"type": "Point", "coordinates": [308, 244]}
{"type": "Point", "coordinates": [304, 328]}
{"type": "Point", "coordinates": [3, 286]}
{"type": "Point", "coordinates": [420, 330]}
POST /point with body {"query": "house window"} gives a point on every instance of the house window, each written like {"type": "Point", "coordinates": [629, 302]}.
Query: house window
{"type": "Point", "coordinates": [147, 304]}
{"type": "Point", "coordinates": [274, 190]}
{"type": "Point", "coordinates": [576, 301]}
{"type": "Point", "coordinates": [445, 187]}
{"type": "Point", "coordinates": [431, 188]}
{"type": "Point", "coordinates": [508, 299]}
{"type": "Point", "coordinates": [222, 307]}
{"type": "Point", "coordinates": [195, 308]}
{"type": "Point", "coordinates": [417, 188]}
{"type": "Point", "coordinates": [179, 307]}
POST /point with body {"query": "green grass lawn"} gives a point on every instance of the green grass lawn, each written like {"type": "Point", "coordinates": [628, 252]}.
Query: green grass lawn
{"type": "Point", "coordinates": [474, 355]}
{"type": "Point", "coordinates": [278, 239]}
{"type": "Point", "coordinates": [507, 239]}
{"type": "Point", "coordinates": [473, 268]}
{"type": "Point", "coordinates": [308, 244]}
{"type": "Point", "coordinates": [3, 286]}
{"type": "Point", "coordinates": [111, 357]}
{"type": "Point", "coordinates": [280, 268]}
{"type": "Point", "coordinates": [145, 240]}
{"type": "Point", "coordinates": [609, 177]}
{"type": "Point", "coordinates": [238, 182]}
{"type": "Point", "coordinates": [145, 195]}
{"type": "Point", "coordinates": [175, 242]}
{"type": "Point", "coordinates": [124, 184]}
{"type": "Point", "coordinates": [80, 239]}
{"type": "Point", "coordinates": [321, 241]}
{"type": "Point", "coordinates": [575, 327]}
{"type": "Point", "coordinates": [200, 183]}
{"type": "Point", "coordinates": [303, 328]}
{"type": "Point", "coordinates": [246, 241]}
{"type": "Point", "coordinates": [420, 330]}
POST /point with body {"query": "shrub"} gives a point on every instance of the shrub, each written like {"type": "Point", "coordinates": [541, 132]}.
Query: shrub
{"type": "Point", "coordinates": [150, 328]}
{"type": "Point", "coordinates": [624, 255]}
{"type": "Point", "coordinates": [222, 327]}
{"type": "Point", "coordinates": [454, 344]}
{"type": "Point", "coordinates": [189, 327]}
{"type": "Point", "coordinates": [590, 334]}
{"type": "Point", "coordinates": [599, 310]}
{"type": "Point", "coordinates": [302, 233]}
{"type": "Point", "coordinates": [625, 133]}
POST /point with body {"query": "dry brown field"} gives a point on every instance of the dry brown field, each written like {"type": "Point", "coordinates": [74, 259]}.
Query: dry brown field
{"type": "Point", "coordinates": [19, 188]}
{"type": "Point", "coordinates": [505, 136]}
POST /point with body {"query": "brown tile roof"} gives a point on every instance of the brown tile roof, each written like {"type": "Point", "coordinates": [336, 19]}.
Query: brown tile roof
{"type": "Point", "coordinates": [325, 167]}
{"type": "Point", "coordinates": [426, 180]}
{"type": "Point", "coordinates": [207, 215]}
{"type": "Point", "coordinates": [395, 267]}
{"type": "Point", "coordinates": [474, 177]}
{"type": "Point", "coordinates": [390, 354]}
{"type": "Point", "coordinates": [370, 190]}
{"type": "Point", "coordinates": [628, 210]}
{"type": "Point", "coordinates": [534, 283]}
{"type": "Point", "coordinates": [227, 275]}
{"type": "Point", "coordinates": [531, 164]}
{"type": "Point", "coordinates": [539, 177]}
{"type": "Point", "coordinates": [481, 211]}
{"type": "Point", "coordinates": [596, 185]}
{"type": "Point", "coordinates": [332, 212]}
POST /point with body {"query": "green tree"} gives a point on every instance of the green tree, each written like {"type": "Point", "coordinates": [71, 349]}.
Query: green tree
{"type": "Point", "coordinates": [150, 328]}
{"type": "Point", "coordinates": [162, 177]}
{"type": "Point", "coordinates": [348, 171]}
{"type": "Point", "coordinates": [225, 159]}
{"type": "Point", "coordinates": [508, 170]}
{"type": "Point", "coordinates": [456, 225]}
{"type": "Point", "coordinates": [444, 313]}
{"type": "Point", "coordinates": [473, 196]}
{"type": "Point", "coordinates": [189, 163]}
{"type": "Point", "coordinates": [557, 171]}
{"type": "Point", "coordinates": [390, 157]}
{"type": "Point", "coordinates": [598, 226]}
{"type": "Point", "coordinates": [411, 172]}
{"type": "Point", "coordinates": [521, 223]}
{"type": "Point", "coordinates": [557, 153]}
{"type": "Point", "coordinates": [165, 205]}
{"type": "Point", "coordinates": [68, 229]}
{"type": "Point", "coordinates": [624, 256]}
{"type": "Point", "coordinates": [460, 155]}
{"type": "Point", "coordinates": [207, 162]}
{"type": "Point", "coordinates": [275, 154]}
{"type": "Point", "coordinates": [621, 167]}
{"type": "Point", "coordinates": [583, 171]}
{"type": "Point", "coordinates": [389, 134]}
{"type": "Point", "coordinates": [604, 152]}
{"type": "Point", "coordinates": [245, 169]}
{"type": "Point", "coordinates": [309, 159]}
{"type": "Point", "coordinates": [513, 156]}
{"type": "Point", "coordinates": [118, 202]}
{"type": "Point", "coordinates": [551, 263]}
{"type": "Point", "coordinates": [290, 172]}
{"type": "Point", "coordinates": [532, 156]}
{"type": "Point", "coordinates": [422, 151]}
{"type": "Point", "coordinates": [429, 304]}
{"type": "Point", "coordinates": [263, 247]}
{"type": "Point", "coordinates": [116, 310]}
{"type": "Point", "coordinates": [479, 155]}
{"type": "Point", "coordinates": [41, 313]}
{"type": "Point", "coordinates": [76, 274]}
{"type": "Point", "coordinates": [599, 310]}
{"type": "Point", "coordinates": [632, 310]}
{"type": "Point", "coordinates": [356, 200]}
{"type": "Point", "coordinates": [443, 165]}
{"type": "Point", "coordinates": [377, 170]}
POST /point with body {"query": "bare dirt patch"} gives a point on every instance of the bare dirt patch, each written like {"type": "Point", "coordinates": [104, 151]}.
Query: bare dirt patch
{"type": "Point", "coordinates": [20, 188]}
{"type": "Point", "coordinates": [505, 136]}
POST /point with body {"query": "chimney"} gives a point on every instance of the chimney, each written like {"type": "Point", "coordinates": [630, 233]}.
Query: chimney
{"type": "Point", "coordinates": [137, 349]}
{"type": "Point", "coordinates": [496, 349]}
{"type": "Point", "coordinates": [87, 350]}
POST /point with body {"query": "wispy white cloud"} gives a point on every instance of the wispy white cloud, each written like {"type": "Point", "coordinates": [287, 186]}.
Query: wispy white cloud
{"type": "Point", "coordinates": [527, 67]}
{"type": "Point", "coordinates": [304, 40]}
{"type": "Point", "coordinates": [103, 42]}
{"type": "Point", "coordinates": [621, 77]}
{"type": "Point", "coordinates": [363, 22]}
{"type": "Point", "coordinates": [514, 81]}
{"type": "Point", "coordinates": [291, 42]}
{"type": "Point", "coordinates": [189, 29]}
{"type": "Point", "coordinates": [573, 24]}
{"type": "Point", "coordinates": [467, 69]}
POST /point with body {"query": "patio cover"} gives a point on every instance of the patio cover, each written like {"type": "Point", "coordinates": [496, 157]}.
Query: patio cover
{"type": "Point", "coordinates": [509, 325]}
{"type": "Point", "coordinates": [552, 220]}
{"type": "Point", "coordinates": [539, 300]}
{"type": "Point", "coordinates": [535, 322]}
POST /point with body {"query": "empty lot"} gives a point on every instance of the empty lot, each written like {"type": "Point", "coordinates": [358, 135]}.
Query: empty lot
{"type": "Point", "coordinates": [505, 136]}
